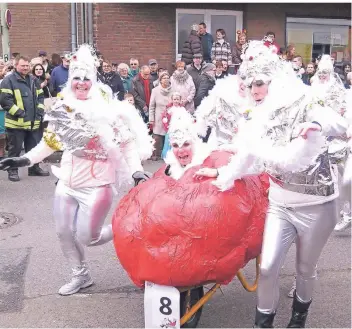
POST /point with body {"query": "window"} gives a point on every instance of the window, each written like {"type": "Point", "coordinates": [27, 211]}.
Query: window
{"type": "Point", "coordinates": [230, 21]}
{"type": "Point", "coordinates": [315, 36]}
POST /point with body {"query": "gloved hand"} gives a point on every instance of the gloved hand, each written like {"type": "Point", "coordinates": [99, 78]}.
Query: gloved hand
{"type": "Point", "coordinates": [139, 177]}
{"type": "Point", "coordinates": [9, 163]}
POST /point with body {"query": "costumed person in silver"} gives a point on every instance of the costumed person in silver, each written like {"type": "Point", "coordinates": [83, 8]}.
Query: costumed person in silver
{"type": "Point", "coordinates": [221, 110]}
{"type": "Point", "coordinates": [286, 138]}
{"type": "Point", "coordinates": [187, 149]}
{"type": "Point", "coordinates": [103, 142]}
{"type": "Point", "coordinates": [329, 89]}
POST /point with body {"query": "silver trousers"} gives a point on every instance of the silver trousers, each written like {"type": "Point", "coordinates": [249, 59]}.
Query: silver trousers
{"type": "Point", "coordinates": [345, 192]}
{"type": "Point", "coordinates": [310, 228]}
{"type": "Point", "coordinates": [79, 217]}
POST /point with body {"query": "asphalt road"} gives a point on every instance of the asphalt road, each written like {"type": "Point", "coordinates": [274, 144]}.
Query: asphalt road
{"type": "Point", "coordinates": [32, 268]}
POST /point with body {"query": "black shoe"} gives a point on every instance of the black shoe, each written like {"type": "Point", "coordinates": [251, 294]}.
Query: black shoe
{"type": "Point", "coordinates": [13, 175]}
{"type": "Point", "coordinates": [37, 171]}
{"type": "Point", "coordinates": [299, 313]}
{"type": "Point", "coordinates": [263, 320]}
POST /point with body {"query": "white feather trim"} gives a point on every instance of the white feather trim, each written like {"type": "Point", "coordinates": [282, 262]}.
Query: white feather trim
{"type": "Point", "coordinates": [129, 115]}
{"type": "Point", "coordinates": [200, 152]}
{"type": "Point", "coordinates": [256, 156]}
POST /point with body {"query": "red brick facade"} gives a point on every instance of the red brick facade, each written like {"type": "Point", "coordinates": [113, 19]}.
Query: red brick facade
{"type": "Point", "coordinates": [144, 31]}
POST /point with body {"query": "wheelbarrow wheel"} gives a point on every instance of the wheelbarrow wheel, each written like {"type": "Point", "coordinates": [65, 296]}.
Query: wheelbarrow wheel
{"type": "Point", "coordinates": [196, 295]}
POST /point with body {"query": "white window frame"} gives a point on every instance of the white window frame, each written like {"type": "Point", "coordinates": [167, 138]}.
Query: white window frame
{"type": "Point", "coordinates": [207, 20]}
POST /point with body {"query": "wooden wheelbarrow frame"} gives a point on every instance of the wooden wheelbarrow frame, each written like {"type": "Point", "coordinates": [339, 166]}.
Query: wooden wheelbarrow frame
{"type": "Point", "coordinates": [190, 311]}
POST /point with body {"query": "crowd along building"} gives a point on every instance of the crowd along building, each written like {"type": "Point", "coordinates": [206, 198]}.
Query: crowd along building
{"type": "Point", "coordinates": [124, 30]}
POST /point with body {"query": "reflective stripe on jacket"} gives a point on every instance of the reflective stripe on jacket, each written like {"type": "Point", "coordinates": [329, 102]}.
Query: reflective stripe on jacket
{"type": "Point", "coordinates": [23, 101]}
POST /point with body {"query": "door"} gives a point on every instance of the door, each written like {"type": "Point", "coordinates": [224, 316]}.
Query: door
{"type": "Point", "coordinates": [230, 21]}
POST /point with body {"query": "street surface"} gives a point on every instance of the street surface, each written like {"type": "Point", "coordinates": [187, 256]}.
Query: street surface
{"type": "Point", "coordinates": [32, 268]}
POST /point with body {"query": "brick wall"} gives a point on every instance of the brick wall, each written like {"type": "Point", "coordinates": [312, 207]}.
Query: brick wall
{"type": "Point", "coordinates": [40, 26]}
{"type": "Point", "coordinates": [139, 30]}
{"type": "Point", "coordinates": [144, 31]}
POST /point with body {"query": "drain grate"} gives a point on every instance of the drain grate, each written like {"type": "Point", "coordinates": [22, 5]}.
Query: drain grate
{"type": "Point", "coordinates": [8, 220]}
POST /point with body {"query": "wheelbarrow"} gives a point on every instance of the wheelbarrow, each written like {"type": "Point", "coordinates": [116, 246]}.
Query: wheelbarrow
{"type": "Point", "coordinates": [170, 307]}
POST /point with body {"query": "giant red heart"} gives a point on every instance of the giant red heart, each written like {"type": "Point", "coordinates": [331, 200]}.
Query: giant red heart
{"type": "Point", "coordinates": [186, 232]}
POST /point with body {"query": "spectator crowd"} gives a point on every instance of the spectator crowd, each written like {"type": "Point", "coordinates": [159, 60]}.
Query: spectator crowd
{"type": "Point", "coordinates": [149, 87]}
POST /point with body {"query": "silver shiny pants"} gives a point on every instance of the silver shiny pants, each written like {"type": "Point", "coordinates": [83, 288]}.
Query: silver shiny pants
{"type": "Point", "coordinates": [310, 227]}
{"type": "Point", "coordinates": [345, 192]}
{"type": "Point", "coordinates": [79, 217]}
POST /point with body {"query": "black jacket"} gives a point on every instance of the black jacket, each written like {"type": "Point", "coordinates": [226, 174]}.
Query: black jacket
{"type": "Point", "coordinates": [114, 81]}
{"type": "Point", "coordinates": [193, 45]}
{"type": "Point", "coordinates": [23, 100]}
{"type": "Point", "coordinates": [205, 83]}
{"type": "Point", "coordinates": [138, 92]}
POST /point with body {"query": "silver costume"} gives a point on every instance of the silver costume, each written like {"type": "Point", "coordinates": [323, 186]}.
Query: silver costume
{"type": "Point", "coordinates": [310, 227]}
{"type": "Point", "coordinates": [79, 217]}
{"type": "Point", "coordinates": [303, 188]}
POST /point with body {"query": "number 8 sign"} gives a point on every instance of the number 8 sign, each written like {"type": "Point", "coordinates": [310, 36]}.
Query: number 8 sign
{"type": "Point", "coordinates": [161, 306]}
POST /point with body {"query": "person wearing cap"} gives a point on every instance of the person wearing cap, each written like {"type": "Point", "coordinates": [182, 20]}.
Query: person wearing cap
{"type": "Point", "coordinates": [197, 68]}
{"type": "Point", "coordinates": [193, 45]}
{"type": "Point", "coordinates": [153, 66]}
{"type": "Point", "coordinates": [45, 62]}
{"type": "Point", "coordinates": [59, 75]}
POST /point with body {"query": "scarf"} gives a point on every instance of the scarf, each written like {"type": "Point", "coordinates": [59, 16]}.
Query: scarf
{"type": "Point", "coordinates": [165, 91]}
{"type": "Point", "coordinates": [180, 78]}
{"type": "Point", "coordinates": [146, 89]}
{"type": "Point", "coordinates": [107, 77]}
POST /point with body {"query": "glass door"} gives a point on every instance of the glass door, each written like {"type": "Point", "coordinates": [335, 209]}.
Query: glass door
{"type": "Point", "coordinates": [230, 21]}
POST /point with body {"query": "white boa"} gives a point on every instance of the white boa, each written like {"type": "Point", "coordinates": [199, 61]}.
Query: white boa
{"type": "Point", "coordinates": [201, 152]}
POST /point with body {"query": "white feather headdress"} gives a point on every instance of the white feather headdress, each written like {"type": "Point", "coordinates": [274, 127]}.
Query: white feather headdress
{"type": "Point", "coordinates": [84, 63]}
{"type": "Point", "coordinates": [182, 128]}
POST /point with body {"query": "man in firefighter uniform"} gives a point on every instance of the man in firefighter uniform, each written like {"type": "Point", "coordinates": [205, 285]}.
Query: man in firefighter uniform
{"type": "Point", "coordinates": [22, 99]}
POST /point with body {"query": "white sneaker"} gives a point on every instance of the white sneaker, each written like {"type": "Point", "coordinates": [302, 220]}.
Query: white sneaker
{"type": "Point", "coordinates": [80, 279]}
{"type": "Point", "coordinates": [344, 223]}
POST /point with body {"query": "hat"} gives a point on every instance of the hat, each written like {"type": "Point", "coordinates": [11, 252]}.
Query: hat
{"type": "Point", "coordinates": [197, 55]}
{"type": "Point", "coordinates": [42, 53]}
{"type": "Point", "coordinates": [209, 67]}
{"type": "Point", "coordinates": [66, 55]}
{"type": "Point", "coordinates": [152, 61]}
{"type": "Point", "coordinates": [84, 64]}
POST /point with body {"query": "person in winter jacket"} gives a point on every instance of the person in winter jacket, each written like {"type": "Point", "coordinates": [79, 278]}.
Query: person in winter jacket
{"type": "Point", "coordinates": [221, 49]}
{"type": "Point", "coordinates": [237, 49]}
{"type": "Point", "coordinates": [153, 66]}
{"type": "Point", "coordinates": [206, 82]}
{"type": "Point", "coordinates": [23, 100]}
{"type": "Point", "coordinates": [59, 75]}
{"type": "Point", "coordinates": [122, 71]}
{"type": "Point", "coordinates": [192, 45]}
{"type": "Point", "coordinates": [219, 71]}
{"type": "Point", "coordinates": [183, 83]}
{"type": "Point", "coordinates": [110, 78]}
{"type": "Point", "coordinates": [308, 75]}
{"type": "Point", "coordinates": [134, 67]}
{"type": "Point", "coordinates": [270, 41]}
{"type": "Point", "coordinates": [197, 67]}
{"type": "Point", "coordinates": [103, 142]}
{"type": "Point", "coordinates": [141, 90]}
{"type": "Point", "coordinates": [207, 42]}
